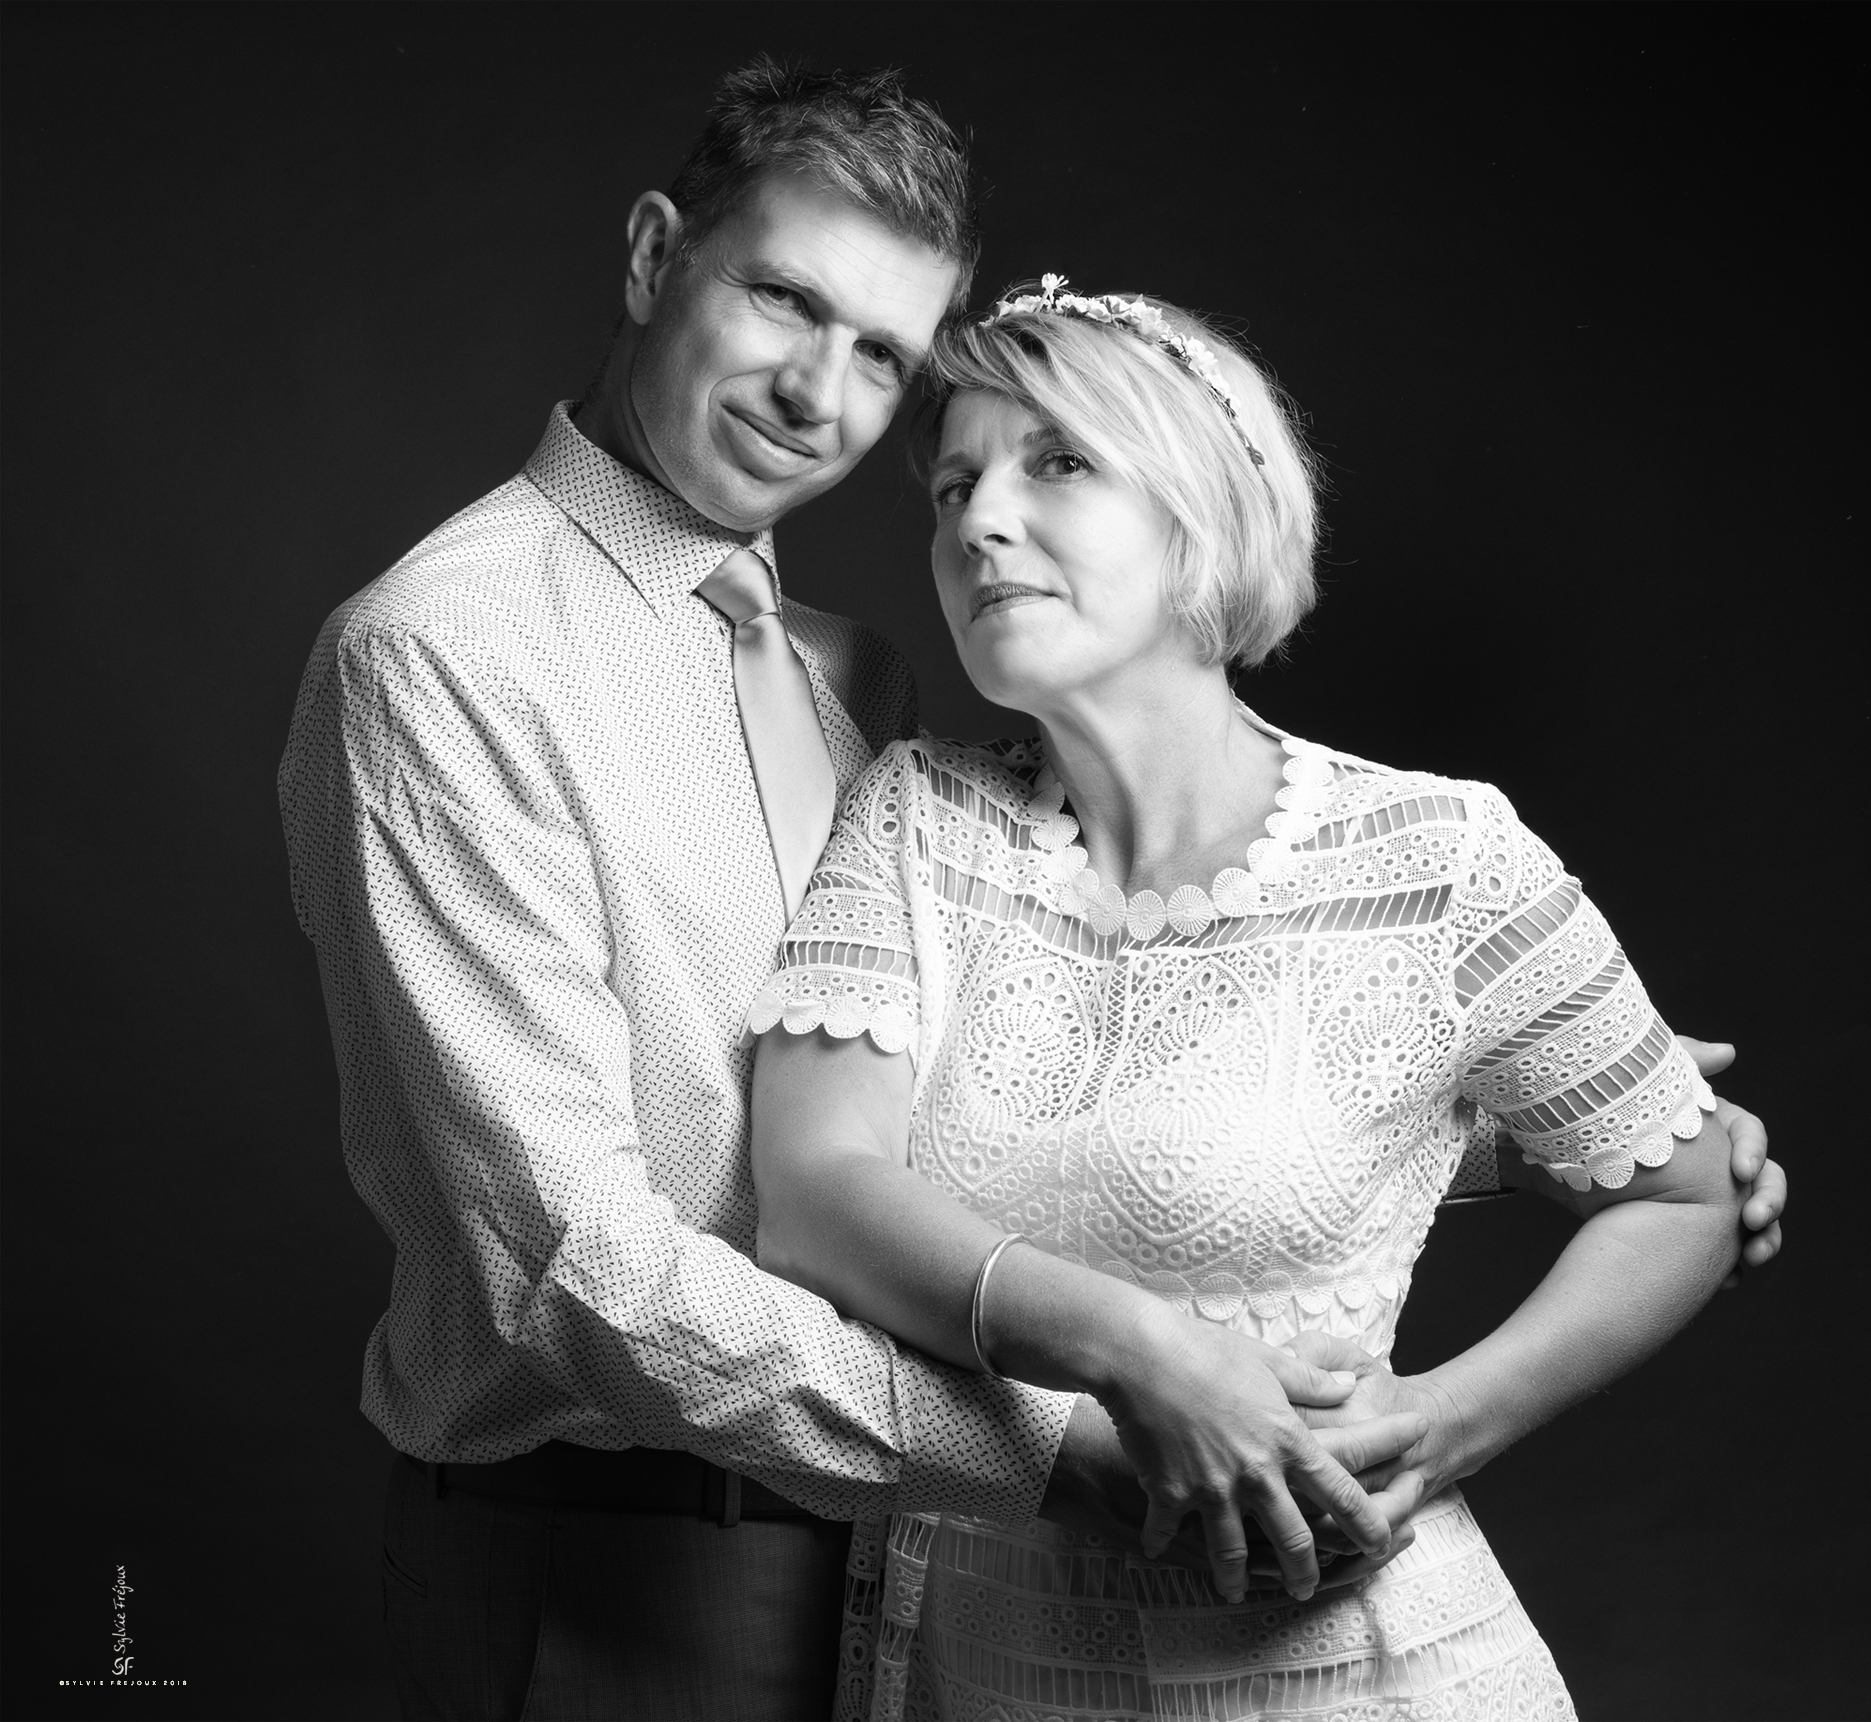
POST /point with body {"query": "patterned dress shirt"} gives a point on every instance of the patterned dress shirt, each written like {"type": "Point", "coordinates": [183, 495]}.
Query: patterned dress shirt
{"type": "Point", "coordinates": [527, 847]}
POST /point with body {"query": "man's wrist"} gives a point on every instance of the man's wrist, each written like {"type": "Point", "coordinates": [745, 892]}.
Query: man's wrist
{"type": "Point", "coordinates": [1089, 1460]}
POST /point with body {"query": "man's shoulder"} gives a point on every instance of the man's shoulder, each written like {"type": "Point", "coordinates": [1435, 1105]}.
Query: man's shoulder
{"type": "Point", "coordinates": [487, 559]}
{"type": "Point", "coordinates": [488, 585]}
{"type": "Point", "coordinates": [842, 646]}
{"type": "Point", "coordinates": [871, 678]}
{"type": "Point", "coordinates": [510, 583]}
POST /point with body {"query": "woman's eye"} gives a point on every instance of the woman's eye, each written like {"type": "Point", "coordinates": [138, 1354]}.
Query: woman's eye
{"type": "Point", "coordinates": [1063, 463]}
{"type": "Point", "coordinates": [955, 493]}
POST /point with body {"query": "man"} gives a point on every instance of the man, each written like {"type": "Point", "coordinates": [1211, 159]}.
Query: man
{"type": "Point", "coordinates": [554, 785]}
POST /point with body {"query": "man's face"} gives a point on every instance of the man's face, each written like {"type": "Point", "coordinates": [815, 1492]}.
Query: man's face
{"type": "Point", "coordinates": [770, 364]}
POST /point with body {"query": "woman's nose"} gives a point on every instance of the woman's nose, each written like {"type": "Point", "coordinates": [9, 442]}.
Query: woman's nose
{"type": "Point", "coordinates": [991, 517]}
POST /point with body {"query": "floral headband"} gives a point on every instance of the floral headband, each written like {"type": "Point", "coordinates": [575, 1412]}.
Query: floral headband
{"type": "Point", "coordinates": [1194, 356]}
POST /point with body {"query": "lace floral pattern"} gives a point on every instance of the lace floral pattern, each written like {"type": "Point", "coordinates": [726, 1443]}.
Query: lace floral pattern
{"type": "Point", "coordinates": [1247, 1098]}
{"type": "Point", "coordinates": [1026, 1623]}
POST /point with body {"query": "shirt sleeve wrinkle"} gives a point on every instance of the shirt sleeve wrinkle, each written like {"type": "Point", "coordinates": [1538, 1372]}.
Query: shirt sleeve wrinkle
{"type": "Point", "coordinates": [754, 1394]}
{"type": "Point", "coordinates": [485, 949]}
{"type": "Point", "coordinates": [431, 715]}
{"type": "Point", "coordinates": [746, 1386]}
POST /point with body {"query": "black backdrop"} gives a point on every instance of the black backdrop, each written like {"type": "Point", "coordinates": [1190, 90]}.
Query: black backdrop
{"type": "Point", "coordinates": [1563, 293]}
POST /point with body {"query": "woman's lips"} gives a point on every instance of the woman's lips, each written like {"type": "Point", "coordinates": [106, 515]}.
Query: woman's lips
{"type": "Point", "coordinates": [1002, 595]}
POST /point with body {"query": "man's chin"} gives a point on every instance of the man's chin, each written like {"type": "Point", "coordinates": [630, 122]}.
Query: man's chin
{"type": "Point", "coordinates": [744, 502]}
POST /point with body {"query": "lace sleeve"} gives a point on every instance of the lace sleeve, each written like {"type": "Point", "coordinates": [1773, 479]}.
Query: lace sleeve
{"type": "Point", "coordinates": [848, 963]}
{"type": "Point", "coordinates": [1564, 1048]}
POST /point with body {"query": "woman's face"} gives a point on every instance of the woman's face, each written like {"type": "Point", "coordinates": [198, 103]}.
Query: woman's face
{"type": "Point", "coordinates": [1050, 573]}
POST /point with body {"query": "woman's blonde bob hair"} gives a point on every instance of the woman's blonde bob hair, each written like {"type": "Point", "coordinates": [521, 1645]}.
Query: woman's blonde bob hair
{"type": "Point", "coordinates": [1239, 573]}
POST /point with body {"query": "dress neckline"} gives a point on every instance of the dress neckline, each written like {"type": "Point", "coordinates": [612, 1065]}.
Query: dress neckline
{"type": "Point", "coordinates": [1189, 911]}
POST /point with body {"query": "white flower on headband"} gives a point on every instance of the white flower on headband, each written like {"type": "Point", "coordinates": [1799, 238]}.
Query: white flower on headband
{"type": "Point", "coordinates": [1146, 319]}
{"type": "Point", "coordinates": [1196, 357]}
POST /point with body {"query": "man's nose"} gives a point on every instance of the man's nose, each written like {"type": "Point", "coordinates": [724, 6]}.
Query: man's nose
{"type": "Point", "coordinates": [812, 381]}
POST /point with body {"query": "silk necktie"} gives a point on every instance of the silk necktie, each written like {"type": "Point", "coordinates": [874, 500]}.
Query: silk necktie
{"type": "Point", "coordinates": [792, 766]}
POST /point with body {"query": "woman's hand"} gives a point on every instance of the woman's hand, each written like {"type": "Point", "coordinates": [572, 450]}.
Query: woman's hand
{"type": "Point", "coordinates": [1434, 1458]}
{"type": "Point", "coordinates": [1206, 1415]}
{"type": "Point", "coordinates": [1650, 1253]}
{"type": "Point", "coordinates": [1210, 1420]}
{"type": "Point", "coordinates": [1093, 1489]}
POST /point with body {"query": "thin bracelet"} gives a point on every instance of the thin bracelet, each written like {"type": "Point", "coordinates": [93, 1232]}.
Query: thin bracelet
{"type": "Point", "coordinates": [980, 1297]}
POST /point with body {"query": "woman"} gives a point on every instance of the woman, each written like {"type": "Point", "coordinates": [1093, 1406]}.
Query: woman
{"type": "Point", "coordinates": [1120, 1060]}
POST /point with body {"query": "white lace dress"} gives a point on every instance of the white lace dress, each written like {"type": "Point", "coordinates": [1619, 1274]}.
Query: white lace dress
{"type": "Point", "coordinates": [1249, 1101]}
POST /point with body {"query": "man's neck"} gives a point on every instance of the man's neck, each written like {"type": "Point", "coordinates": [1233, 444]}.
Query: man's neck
{"type": "Point", "coordinates": [607, 417]}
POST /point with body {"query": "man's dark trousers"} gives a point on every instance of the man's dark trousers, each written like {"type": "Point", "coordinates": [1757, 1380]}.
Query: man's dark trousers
{"type": "Point", "coordinates": [540, 1589]}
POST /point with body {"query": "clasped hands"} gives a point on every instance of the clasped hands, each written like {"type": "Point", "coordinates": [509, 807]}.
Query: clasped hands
{"type": "Point", "coordinates": [1215, 1432]}
{"type": "Point", "coordinates": [1211, 1425]}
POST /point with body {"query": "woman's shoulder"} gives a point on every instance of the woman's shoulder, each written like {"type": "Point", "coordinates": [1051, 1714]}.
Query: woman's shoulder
{"type": "Point", "coordinates": [918, 776]}
{"type": "Point", "coordinates": [1002, 771]}
{"type": "Point", "coordinates": [1434, 825]}
{"type": "Point", "coordinates": [1368, 784]}
{"type": "Point", "coordinates": [1353, 775]}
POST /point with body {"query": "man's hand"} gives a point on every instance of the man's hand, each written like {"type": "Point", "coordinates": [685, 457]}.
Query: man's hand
{"type": "Point", "coordinates": [1747, 1138]}
{"type": "Point", "coordinates": [1094, 1488]}
{"type": "Point", "coordinates": [1209, 1419]}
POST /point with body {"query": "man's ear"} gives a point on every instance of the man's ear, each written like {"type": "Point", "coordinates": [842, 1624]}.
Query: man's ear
{"type": "Point", "coordinates": [654, 229]}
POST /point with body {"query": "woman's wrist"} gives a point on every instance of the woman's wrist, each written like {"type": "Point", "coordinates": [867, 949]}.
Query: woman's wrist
{"type": "Point", "coordinates": [1122, 1344]}
{"type": "Point", "coordinates": [1075, 1331]}
{"type": "Point", "coordinates": [1462, 1436]}
{"type": "Point", "coordinates": [1138, 1333]}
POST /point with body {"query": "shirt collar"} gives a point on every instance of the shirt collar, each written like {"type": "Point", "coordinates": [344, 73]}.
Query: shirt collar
{"type": "Point", "coordinates": [662, 544]}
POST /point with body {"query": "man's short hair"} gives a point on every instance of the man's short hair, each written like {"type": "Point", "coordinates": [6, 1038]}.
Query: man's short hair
{"type": "Point", "coordinates": [861, 135]}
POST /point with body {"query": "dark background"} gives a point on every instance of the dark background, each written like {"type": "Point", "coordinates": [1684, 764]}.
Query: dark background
{"type": "Point", "coordinates": [1563, 292]}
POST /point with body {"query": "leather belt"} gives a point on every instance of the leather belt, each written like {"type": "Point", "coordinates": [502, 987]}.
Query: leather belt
{"type": "Point", "coordinates": [646, 1480]}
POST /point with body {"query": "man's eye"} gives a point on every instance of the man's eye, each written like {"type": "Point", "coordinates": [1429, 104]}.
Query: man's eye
{"type": "Point", "coordinates": [884, 358]}
{"type": "Point", "coordinates": [781, 298]}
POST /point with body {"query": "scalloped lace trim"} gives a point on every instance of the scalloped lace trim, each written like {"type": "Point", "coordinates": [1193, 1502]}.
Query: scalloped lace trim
{"type": "Point", "coordinates": [844, 1014]}
{"type": "Point", "coordinates": [1614, 1164]}
{"type": "Point", "coordinates": [1222, 1296]}
{"type": "Point", "coordinates": [1273, 861]}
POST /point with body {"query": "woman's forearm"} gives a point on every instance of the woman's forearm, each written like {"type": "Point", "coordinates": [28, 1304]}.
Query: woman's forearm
{"type": "Point", "coordinates": [881, 1243]}
{"type": "Point", "coordinates": [1204, 1414]}
{"type": "Point", "coordinates": [1631, 1277]}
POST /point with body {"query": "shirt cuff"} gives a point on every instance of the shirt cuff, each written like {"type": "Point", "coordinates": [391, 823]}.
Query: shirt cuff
{"type": "Point", "coordinates": [975, 1444]}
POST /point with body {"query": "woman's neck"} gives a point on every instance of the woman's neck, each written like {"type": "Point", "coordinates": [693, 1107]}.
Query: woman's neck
{"type": "Point", "coordinates": [1168, 784]}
